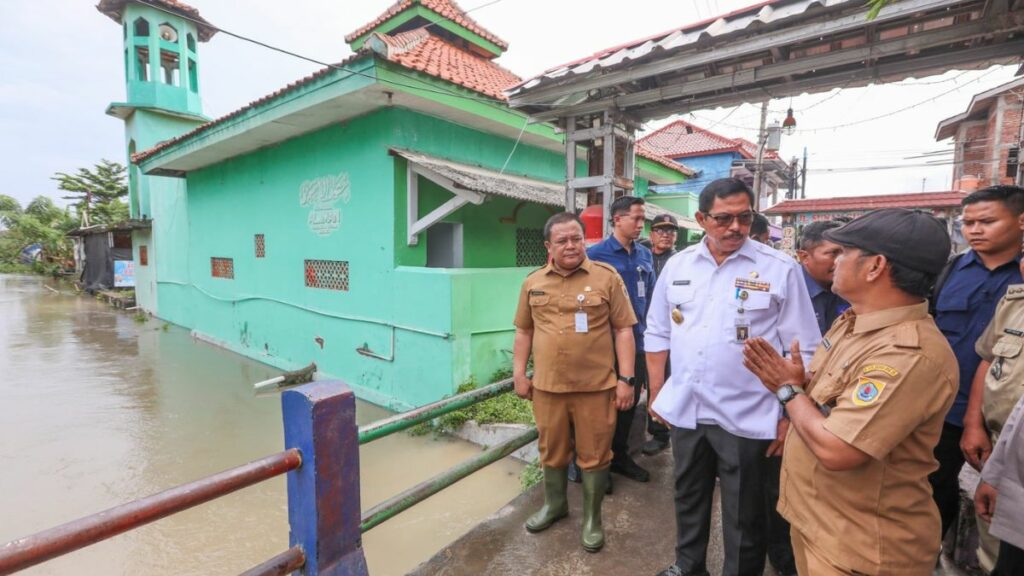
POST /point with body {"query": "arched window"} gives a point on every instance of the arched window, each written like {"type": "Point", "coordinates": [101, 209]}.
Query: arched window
{"type": "Point", "coordinates": [141, 27]}
{"type": "Point", "coordinates": [168, 33]}
{"type": "Point", "coordinates": [190, 41]}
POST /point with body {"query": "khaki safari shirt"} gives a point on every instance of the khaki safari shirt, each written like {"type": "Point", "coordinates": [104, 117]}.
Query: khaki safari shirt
{"type": "Point", "coordinates": [1001, 345]}
{"type": "Point", "coordinates": [889, 377]}
{"type": "Point", "coordinates": [564, 359]}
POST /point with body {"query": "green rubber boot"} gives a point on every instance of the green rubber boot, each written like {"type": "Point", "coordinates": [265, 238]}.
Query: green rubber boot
{"type": "Point", "coordinates": [594, 485]}
{"type": "Point", "coordinates": [555, 505]}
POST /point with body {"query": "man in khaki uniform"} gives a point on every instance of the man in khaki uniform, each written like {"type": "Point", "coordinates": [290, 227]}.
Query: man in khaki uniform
{"type": "Point", "coordinates": [998, 386]}
{"type": "Point", "coordinates": [575, 317]}
{"type": "Point", "coordinates": [860, 446]}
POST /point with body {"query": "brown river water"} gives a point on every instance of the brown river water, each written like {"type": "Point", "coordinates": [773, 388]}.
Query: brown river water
{"type": "Point", "coordinates": [97, 409]}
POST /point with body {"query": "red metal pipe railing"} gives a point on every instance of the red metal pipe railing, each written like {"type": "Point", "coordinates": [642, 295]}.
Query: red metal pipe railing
{"type": "Point", "coordinates": [42, 546]}
{"type": "Point", "coordinates": [284, 563]}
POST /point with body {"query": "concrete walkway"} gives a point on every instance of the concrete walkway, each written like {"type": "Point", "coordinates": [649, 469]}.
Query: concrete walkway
{"type": "Point", "coordinates": [639, 527]}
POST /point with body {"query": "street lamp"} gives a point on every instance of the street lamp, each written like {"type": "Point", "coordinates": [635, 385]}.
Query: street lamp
{"type": "Point", "coordinates": [789, 124]}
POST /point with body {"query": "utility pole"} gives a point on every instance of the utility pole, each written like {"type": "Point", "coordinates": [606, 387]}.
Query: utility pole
{"type": "Point", "coordinates": [803, 176]}
{"type": "Point", "coordinates": [762, 139]}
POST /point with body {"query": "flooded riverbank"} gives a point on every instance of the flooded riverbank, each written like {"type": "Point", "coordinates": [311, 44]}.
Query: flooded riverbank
{"type": "Point", "coordinates": [100, 409]}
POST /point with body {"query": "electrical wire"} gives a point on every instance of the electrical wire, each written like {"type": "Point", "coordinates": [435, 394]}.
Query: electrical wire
{"type": "Point", "coordinates": [293, 54]}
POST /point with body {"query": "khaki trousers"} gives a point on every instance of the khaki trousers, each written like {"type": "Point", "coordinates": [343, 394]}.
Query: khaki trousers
{"type": "Point", "coordinates": [810, 562]}
{"type": "Point", "coordinates": [590, 414]}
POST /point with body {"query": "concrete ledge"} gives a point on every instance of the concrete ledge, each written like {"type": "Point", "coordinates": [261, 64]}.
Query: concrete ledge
{"type": "Point", "coordinates": [487, 435]}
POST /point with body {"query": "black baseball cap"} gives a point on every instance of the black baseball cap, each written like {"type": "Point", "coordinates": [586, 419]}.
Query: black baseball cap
{"type": "Point", "coordinates": [663, 220]}
{"type": "Point", "coordinates": [910, 238]}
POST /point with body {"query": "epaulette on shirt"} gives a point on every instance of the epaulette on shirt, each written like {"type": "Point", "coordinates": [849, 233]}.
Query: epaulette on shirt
{"type": "Point", "coordinates": [1015, 292]}
{"type": "Point", "coordinates": [907, 336]}
{"type": "Point", "coordinates": [604, 265]}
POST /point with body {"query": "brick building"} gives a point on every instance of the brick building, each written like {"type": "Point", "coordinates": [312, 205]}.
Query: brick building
{"type": "Point", "coordinates": [987, 137]}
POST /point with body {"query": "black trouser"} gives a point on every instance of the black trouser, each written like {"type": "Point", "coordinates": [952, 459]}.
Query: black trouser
{"type": "Point", "coordinates": [946, 480]}
{"type": "Point", "coordinates": [1010, 562]}
{"type": "Point", "coordinates": [780, 548]}
{"type": "Point", "coordinates": [624, 420]}
{"type": "Point", "coordinates": [739, 463]}
{"type": "Point", "coordinates": [656, 429]}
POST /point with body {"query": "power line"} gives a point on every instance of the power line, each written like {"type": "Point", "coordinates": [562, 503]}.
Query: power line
{"type": "Point", "coordinates": [262, 44]}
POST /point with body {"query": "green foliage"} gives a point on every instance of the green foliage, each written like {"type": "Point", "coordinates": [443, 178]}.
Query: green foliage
{"type": "Point", "coordinates": [505, 409]}
{"type": "Point", "coordinates": [140, 317]}
{"type": "Point", "coordinates": [40, 222]}
{"type": "Point", "coordinates": [97, 192]}
{"type": "Point", "coordinates": [531, 475]}
{"type": "Point", "coordinates": [8, 207]}
{"type": "Point", "coordinates": [15, 268]}
{"type": "Point", "coordinates": [876, 7]}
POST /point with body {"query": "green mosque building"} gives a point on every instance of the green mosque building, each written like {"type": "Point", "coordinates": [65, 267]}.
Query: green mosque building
{"type": "Point", "coordinates": [376, 217]}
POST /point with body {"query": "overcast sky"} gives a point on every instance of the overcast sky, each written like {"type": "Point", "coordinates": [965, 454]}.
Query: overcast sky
{"type": "Point", "coordinates": [61, 64]}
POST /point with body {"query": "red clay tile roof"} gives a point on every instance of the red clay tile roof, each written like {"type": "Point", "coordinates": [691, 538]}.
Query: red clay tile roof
{"type": "Point", "coordinates": [422, 51]}
{"type": "Point", "coordinates": [858, 203]}
{"type": "Point", "coordinates": [646, 152]}
{"type": "Point", "coordinates": [444, 8]}
{"type": "Point", "coordinates": [681, 139]}
{"type": "Point", "coordinates": [114, 9]}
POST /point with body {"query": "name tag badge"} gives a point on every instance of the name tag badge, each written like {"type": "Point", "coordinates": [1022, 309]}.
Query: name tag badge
{"type": "Point", "coordinates": [742, 326]}
{"type": "Point", "coordinates": [641, 288]}
{"type": "Point", "coordinates": [581, 323]}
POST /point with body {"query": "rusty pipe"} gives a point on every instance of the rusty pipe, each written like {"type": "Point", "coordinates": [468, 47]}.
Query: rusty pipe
{"type": "Point", "coordinates": [48, 544]}
{"type": "Point", "coordinates": [284, 563]}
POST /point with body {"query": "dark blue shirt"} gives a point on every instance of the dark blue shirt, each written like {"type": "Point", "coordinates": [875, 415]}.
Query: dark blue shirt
{"type": "Point", "coordinates": [637, 271]}
{"type": "Point", "coordinates": [827, 305]}
{"type": "Point", "coordinates": [964, 308]}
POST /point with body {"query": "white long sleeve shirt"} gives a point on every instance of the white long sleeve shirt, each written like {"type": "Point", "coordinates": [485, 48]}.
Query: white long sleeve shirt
{"type": "Point", "coordinates": [709, 383]}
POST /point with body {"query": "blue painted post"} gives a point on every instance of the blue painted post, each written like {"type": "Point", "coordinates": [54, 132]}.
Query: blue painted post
{"type": "Point", "coordinates": [323, 493]}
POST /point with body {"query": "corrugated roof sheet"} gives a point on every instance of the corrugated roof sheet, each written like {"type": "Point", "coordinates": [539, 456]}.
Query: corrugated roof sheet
{"type": "Point", "coordinates": [766, 12]}
{"type": "Point", "coordinates": [857, 203]}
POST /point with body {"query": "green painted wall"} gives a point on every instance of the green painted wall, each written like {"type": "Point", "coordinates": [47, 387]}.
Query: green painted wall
{"type": "Point", "coordinates": [145, 80]}
{"type": "Point", "coordinates": [448, 324]}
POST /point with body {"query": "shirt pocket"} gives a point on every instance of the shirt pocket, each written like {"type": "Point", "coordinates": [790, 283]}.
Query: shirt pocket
{"type": "Point", "coordinates": [951, 313]}
{"type": "Point", "coordinates": [681, 295]}
{"type": "Point", "coordinates": [597, 309]}
{"type": "Point", "coordinates": [537, 300]}
{"type": "Point", "coordinates": [1006, 352]}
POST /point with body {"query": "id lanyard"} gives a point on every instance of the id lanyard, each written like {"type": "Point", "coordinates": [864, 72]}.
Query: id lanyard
{"type": "Point", "coordinates": [742, 323]}
{"type": "Point", "coordinates": [581, 316]}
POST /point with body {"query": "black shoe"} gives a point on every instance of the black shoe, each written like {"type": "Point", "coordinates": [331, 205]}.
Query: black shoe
{"type": "Point", "coordinates": [608, 487]}
{"type": "Point", "coordinates": [674, 570]}
{"type": "Point", "coordinates": [653, 446]}
{"type": "Point", "coordinates": [626, 467]}
{"type": "Point", "coordinates": [575, 475]}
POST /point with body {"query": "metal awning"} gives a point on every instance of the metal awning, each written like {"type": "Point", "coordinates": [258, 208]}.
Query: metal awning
{"type": "Point", "coordinates": [774, 49]}
{"type": "Point", "coordinates": [469, 184]}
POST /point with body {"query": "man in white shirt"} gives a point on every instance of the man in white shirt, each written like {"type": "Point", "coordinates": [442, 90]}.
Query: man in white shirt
{"type": "Point", "coordinates": [708, 300]}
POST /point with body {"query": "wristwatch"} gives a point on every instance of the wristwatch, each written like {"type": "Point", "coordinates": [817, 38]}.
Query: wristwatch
{"type": "Point", "coordinates": [787, 392]}
{"type": "Point", "coordinates": [631, 380]}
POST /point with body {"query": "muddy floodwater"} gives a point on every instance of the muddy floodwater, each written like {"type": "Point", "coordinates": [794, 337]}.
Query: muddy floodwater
{"type": "Point", "coordinates": [97, 409]}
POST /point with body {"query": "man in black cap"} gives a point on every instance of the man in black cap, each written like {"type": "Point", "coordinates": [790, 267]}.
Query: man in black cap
{"type": "Point", "coordinates": [664, 229]}
{"type": "Point", "coordinates": [859, 448]}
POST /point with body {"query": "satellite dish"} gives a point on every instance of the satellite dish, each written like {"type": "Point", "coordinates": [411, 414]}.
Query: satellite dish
{"type": "Point", "coordinates": [168, 33]}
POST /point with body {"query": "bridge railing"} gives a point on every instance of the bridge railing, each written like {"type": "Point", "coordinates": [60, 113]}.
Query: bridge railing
{"type": "Point", "coordinates": [322, 466]}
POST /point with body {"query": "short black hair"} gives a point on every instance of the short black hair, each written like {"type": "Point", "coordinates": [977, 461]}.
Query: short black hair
{"type": "Point", "coordinates": [723, 188]}
{"type": "Point", "coordinates": [759, 225]}
{"type": "Point", "coordinates": [1011, 196]}
{"type": "Point", "coordinates": [623, 204]}
{"type": "Point", "coordinates": [814, 233]}
{"type": "Point", "coordinates": [560, 218]}
{"type": "Point", "coordinates": [911, 281]}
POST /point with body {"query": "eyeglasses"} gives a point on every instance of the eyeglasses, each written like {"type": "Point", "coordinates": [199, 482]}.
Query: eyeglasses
{"type": "Point", "coordinates": [725, 220]}
{"type": "Point", "coordinates": [664, 231]}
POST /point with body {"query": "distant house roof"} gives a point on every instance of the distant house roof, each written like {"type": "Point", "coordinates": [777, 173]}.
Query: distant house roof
{"type": "Point", "coordinates": [681, 139]}
{"type": "Point", "coordinates": [425, 52]}
{"type": "Point", "coordinates": [645, 152]}
{"type": "Point", "coordinates": [864, 203]}
{"type": "Point", "coordinates": [115, 9]}
{"type": "Point", "coordinates": [444, 8]}
{"type": "Point", "coordinates": [976, 110]}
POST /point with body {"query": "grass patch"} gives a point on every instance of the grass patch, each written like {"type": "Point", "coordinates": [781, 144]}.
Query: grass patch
{"type": "Point", "coordinates": [505, 409]}
{"type": "Point", "coordinates": [531, 475]}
